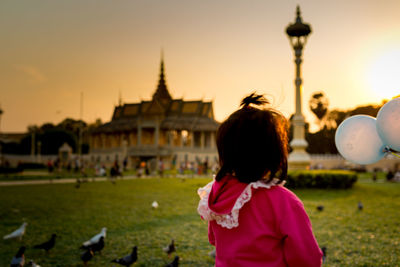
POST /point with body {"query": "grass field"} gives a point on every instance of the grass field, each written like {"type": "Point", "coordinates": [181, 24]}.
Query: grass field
{"type": "Point", "coordinates": [353, 238]}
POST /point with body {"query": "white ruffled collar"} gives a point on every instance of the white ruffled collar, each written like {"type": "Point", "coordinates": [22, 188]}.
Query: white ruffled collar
{"type": "Point", "coordinates": [230, 220]}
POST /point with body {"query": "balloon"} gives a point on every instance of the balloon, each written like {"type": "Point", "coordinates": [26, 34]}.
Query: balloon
{"type": "Point", "coordinates": [388, 123]}
{"type": "Point", "coordinates": [357, 140]}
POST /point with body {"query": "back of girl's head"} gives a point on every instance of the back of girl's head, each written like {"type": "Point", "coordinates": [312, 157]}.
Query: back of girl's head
{"type": "Point", "coordinates": [252, 142]}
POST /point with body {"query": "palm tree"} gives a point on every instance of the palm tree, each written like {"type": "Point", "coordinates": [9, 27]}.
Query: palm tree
{"type": "Point", "coordinates": [319, 106]}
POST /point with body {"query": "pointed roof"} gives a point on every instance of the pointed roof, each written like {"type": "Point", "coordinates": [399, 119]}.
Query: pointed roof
{"type": "Point", "coordinates": [162, 90]}
{"type": "Point", "coordinates": [178, 114]}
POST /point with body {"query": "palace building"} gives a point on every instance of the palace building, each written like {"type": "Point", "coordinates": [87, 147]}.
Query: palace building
{"type": "Point", "coordinates": [172, 131]}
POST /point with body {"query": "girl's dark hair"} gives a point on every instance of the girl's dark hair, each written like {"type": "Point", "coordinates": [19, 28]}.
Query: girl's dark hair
{"type": "Point", "coordinates": [252, 143]}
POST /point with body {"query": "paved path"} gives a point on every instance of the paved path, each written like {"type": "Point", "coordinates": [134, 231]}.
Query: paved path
{"type": "Point", "coordinates": [87, 179]}
{"type": "Point", "coordinates": [59, 181]}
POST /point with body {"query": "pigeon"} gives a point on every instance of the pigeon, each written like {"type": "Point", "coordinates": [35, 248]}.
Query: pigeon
{"type": "Point", "coordinates": [170, 248]}
{"type": "Point", "coordinates": [212, 253]}
{"type": "Point", "coordinates": [320, 208]}
{"type": "Point", "coordinates": [48, 244]}
{"type": "Point", "coordinates": [174, 263]}
{"type": "Point", "coordinates": [154, 204]}
{"type": "Point", "coordinates": [33, 264]}
{"type": "Point", "coordinates": [17, 233]}
{"type": "Point", "coordinates": [19, 259]}
{"type": "Point", "coordinates": [96, 247]}
{"type": "Point", "coordinates": [87, 256]}
{"type": "Point", "coordinates": [360, 205]}
{"type": "Point", "coordinates": [95, 239]}
{"type": "Point", "coordinates": [78, 183]}
{"type": "Point", "coordinates": [323, 249]}
{"type": "Point", "coordinates": [128, 259]}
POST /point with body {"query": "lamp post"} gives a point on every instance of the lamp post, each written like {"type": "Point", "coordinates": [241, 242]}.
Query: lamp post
{"type": "Point", "coordinates": [33, 144]}
{"type": "Point", "coordinates": [298, 32]}
{"type": "Point", "coordinates": [1, 148]}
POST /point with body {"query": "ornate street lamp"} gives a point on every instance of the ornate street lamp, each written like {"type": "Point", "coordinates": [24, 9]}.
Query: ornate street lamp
{"type": "Point", "coordinates": [298, 32]}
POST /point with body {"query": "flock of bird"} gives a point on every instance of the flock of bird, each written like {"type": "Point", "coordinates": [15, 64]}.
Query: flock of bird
{"type": "Point", "coordinates": [360, 207]}
{"type": "Point", "coordinates": [91, 247]}
{"type": "Point", "coordinates": [96, 244]}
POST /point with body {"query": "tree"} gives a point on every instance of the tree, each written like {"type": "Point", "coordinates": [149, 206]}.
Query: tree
{"type": "Point", "coordinates": [78, 128]}
{"type": "Point", "coordinates": [323, 141]}
{"type": "Point", "coordinates": [53, 139]}
{"type": "Point", "coordinates": [72, 125]}
{"type": "Point", "coordinates": [335, 117]}
{"type": "Point", "coordinates": [47, 126]}
{"type": "Point", "coordinates": [319, 106]}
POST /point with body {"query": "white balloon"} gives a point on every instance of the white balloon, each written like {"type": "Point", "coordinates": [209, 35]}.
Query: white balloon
{"type": "Point", "coordinates": [388, 123]}
{"type": "Point", "coordinates": [357, 140]}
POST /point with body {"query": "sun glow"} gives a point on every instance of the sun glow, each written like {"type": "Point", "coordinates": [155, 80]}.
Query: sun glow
{"type": "Point", "coordinates": [384, 75]}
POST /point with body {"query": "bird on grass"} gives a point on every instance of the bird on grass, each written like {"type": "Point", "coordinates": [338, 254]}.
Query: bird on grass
{"type": "Point", "coordinates": [48, 244]}
{"type": "Point", "coordinates": [87, 256]}
{"type": "Point", "coordinates": [19, 259]}
{"type": "Point", "coordinates": [17, 233]}
{"type": "Point", "coordinates": [323, 249]}
{"type": "Point", "coordinates": [33, 264]}
{"type": "Point", "coordinates": [320, 208]}
{"type": "Point", "coordinates": [96, 247]}
{"type": "Point", "coordinates": [360, 206]}
{"type": "Point", "coordinates": [174, 263]}
{"type": "Point", "coordinates": [212, 253]}
{"type": "Point", "coordinates": [95, 239]}
{"type": "Point", "coordinates": [154, 204]}
{"type": "Point", "coordinates": [170, 248]}
{"type": "Point", "coordinates": [127, 260]}
{"type": "Point", "coordinates": [78, 183]}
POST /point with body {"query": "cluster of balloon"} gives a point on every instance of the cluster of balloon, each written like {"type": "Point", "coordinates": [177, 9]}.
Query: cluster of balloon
{"type": "Point", "coordinates": [363, 139]}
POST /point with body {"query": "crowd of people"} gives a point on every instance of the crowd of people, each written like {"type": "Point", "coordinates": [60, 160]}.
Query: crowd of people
{"type": "Point", "coordinates": [140, 168]}
{"type": "Point", "coordinates": [393, 176]}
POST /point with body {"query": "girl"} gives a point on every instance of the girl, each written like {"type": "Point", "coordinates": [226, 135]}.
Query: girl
{"type": "Point", "coordinates": [253, 219]}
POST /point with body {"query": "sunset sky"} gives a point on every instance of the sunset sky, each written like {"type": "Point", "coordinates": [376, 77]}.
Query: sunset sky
{"type": "Point", "coordinates": [220, 50]}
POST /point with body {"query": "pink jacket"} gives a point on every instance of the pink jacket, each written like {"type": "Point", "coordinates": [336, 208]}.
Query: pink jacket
{"type": "Point", "coordinates": [273, 228]}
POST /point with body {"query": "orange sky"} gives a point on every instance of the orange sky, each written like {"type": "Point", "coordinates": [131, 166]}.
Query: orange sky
{"type": "Point", "coordinates": [51, 51]}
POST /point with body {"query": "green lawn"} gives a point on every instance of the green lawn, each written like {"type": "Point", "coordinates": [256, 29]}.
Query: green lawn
{"type": "Point", "coordinates": [353, 238]}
